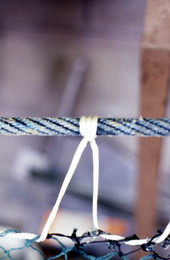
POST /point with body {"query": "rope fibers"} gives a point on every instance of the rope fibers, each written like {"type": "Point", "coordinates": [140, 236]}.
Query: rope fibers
{"type": "Point", "coordinates": [70, 126]}
{"type": "Point", "coordinates": [88, 128]}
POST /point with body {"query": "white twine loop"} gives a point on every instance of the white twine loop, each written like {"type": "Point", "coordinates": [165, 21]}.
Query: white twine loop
{"type": "Point", "coordinates": [140, 242]}
{"type": "Point", "coordinates": [88, 129]}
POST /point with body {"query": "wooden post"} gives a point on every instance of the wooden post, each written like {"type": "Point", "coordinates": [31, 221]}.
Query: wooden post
{"type": "Point", "coordinates": [155, 73]}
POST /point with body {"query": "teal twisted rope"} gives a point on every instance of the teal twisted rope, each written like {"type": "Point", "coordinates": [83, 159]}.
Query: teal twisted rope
{"type": "Point", "coordinates": [47, 126]}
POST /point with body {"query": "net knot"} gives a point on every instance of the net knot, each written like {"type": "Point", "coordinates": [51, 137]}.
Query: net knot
{"type": "Point", "coordinates": [88, 127]}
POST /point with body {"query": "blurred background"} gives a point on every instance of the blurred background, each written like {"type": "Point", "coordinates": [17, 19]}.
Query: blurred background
{"type": "Point", "coordinates": [71, 58]}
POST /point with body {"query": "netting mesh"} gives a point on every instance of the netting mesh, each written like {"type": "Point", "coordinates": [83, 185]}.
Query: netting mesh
{"type": "Point", "coordinates": [85, 246]}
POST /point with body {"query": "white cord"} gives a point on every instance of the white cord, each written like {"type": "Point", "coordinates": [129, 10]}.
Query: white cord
{"type": "Point", "coordinates": [139, 242]}
{"type": "Point", "coordinates": [95, 151]}
{"type": "Point", "coordinates": [163, 236]}
{"type": "Point", "coordinates": [19, 235]}
{"type": "Point", "coordinates": [88, 128]}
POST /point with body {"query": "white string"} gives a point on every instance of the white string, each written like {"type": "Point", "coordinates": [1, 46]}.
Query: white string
{"type": "Point", "coordinates": [19, 235]}
{"type": "Point", "coordinates": [95, 182]}
{"type": "Point", "coordinates": [88, 128]}
{"type": "Point", "coordinates": [139, 242]}
{"type": "Point", "coordinates": [163, 236]}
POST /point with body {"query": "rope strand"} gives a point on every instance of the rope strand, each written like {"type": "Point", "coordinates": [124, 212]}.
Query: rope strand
{"type": "Point", "coordinates": [47, 126]}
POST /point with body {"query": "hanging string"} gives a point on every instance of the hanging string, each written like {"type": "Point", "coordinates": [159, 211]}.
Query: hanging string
{"type": "Point", "coordinates": [88, 129]}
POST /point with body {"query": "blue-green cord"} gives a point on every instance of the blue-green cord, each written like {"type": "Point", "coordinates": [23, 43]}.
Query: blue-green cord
{"type": "Point", "coordinates": [64, 251]}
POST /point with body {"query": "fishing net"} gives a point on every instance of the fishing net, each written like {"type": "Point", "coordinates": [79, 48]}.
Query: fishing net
{"type": "Point", "coordinates": [113, 246]}
{"type": "Point", "coordinates": [93, 244]}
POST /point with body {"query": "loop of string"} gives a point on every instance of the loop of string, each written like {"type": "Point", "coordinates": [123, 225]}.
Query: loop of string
{"type": "Point", "coordinates": [88, 129]}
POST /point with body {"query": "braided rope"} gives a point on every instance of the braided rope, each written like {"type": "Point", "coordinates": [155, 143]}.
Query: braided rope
{"type": "Point", "coordinates": [47, 126]}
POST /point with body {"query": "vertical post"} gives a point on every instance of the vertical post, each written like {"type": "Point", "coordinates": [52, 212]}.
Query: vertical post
{"type": "Point", "coordinates": [155, 72]}
{"type": "Point", "coordinates": [154, 86]}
